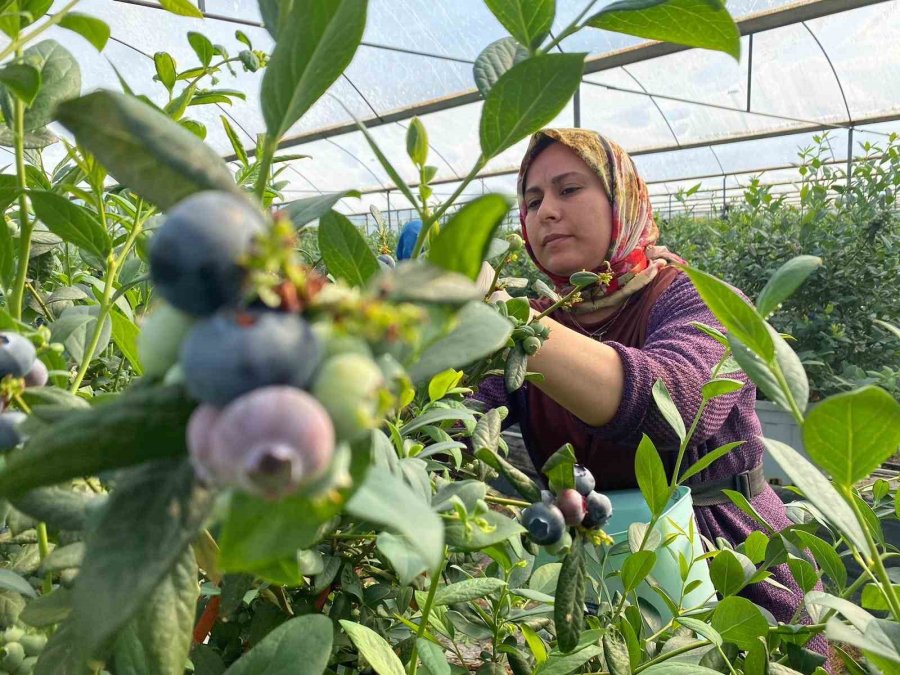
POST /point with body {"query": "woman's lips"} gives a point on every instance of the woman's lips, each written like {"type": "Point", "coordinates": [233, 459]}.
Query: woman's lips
{"type": "Point", "coordinates": [554, 238]}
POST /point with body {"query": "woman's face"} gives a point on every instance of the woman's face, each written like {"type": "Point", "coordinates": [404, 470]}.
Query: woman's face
{"type": "Point", "coordinates": [568, 217]}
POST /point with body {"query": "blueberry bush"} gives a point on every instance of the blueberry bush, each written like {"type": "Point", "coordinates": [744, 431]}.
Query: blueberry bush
{"type": "Point", "coordinates": [238, 441]}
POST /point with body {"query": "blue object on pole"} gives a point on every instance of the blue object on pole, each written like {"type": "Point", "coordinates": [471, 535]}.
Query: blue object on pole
{"type": "Point", "coordinates": [407, 241]}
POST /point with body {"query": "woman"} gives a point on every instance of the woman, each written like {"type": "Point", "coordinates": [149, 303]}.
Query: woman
{"type": "Point", "coordinates": [584, 207]}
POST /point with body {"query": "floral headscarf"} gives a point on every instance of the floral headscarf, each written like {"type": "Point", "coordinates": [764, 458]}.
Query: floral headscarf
{"type": "Point", "coordinates": [633, 257]}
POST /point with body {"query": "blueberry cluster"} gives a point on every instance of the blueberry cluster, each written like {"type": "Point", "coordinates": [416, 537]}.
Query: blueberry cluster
{"type": "Point", "coordinates": [18, 360]}
{"type": "Point", "coordinates": [547, 520]}
{"type": "Point", "coordinates": [273, 406]}
{"type": "Point", "coordinates": [19, 650]}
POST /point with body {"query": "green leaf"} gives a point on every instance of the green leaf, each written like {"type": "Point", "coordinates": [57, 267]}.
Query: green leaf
{"type": "Point", "coordinates": [825, 556]}
{"type": "Point", "coordinates": [720, 386]}
{"type": "Point", "coordinates": [258, 533]}
{"type": "Point", "coordinates": [462, 591]}
{"type": "Point", "coordinates": [651, 476]}
{"type": "Point", "coordinates": [385, 499]}
{"type": "Point", "coordinates": [62, 654]}
{"type": "Point", "coordinates": [702, 629]}
{"type": "Point", "coordinates": [47, 610]}
{"type": "Point", "coordinates": [90, 28]}
{"type": "Point", "coordinates": [564, 664]}
{"type": "Point", "coordinates": [479, 332]}
{"type": "Point", "coordinates": [139, 426]}
{"type": "Point", "coordinates": [407, 562]}
{"type": "Point", "coordinates": [316, 42]}
{"type": "Point", "coordinates": [60, 80]}
{"type": "Point", "coordinates": [733, 312]}
{"type": "Point", "coordinates": [417, 281]}
{"type": "Point", "coordinates": [443, 382]}
{"type": "Point", "coordinates": [803, 572]}
{"type": "Point", "coordinates": [433, 659]}
{"type": "Point", "coordinates": [300, 646]}
{"type": "Point", "coordinates": [417, 142]}
{"type": "Point", "coordinates": [143, 149]}
{"type": "Point", "coordinates": [463, 242]}
{"type": "Point", "coordinates": [636, 568]}
{"type": "Point", "coordinates": [482, 531]}
{"type": "Point", "coordinates": [435, 415]}
{"type": "Point", "coordinates": [487, 432]}
{"type": "Point", "coordinates": [21, 79]}
{"type": "Point", "coordinates": [374, 648]}
{"type": "Point", "coordinates": [528, 21]}
{"type": "Point", "coordinates": [667, 407]}
{"type": "Point", "coordinates": [236, 145]}
{"type": "Point", "coordinates": [515, 369]}
{"type": "Point", "coordinates": [695, 23]}
{"type": "Point", "coordinates": [818, 490]}
{"type": "Point", "coordinates": [11, 581]}
{"type": "Point", "coordinates": [739, 621]}
{"type": "Point", "coordinates": [202, 47]}
{"type": "Point", "coordinates": [851, 434]}
{"type": "Point", "coordinates": [125, 334]}
{"type": "Point", "coordinates": [345, 251]}
{"type": "Point", "coordinates": [181, 7]}
{"type": "Point", "coordinates": [74, 329]}
{"type": "Point", "coordinates": [158, 639]}
{"type": "Point", "coordinates": [755, 546]}
{"type": "Point", "coordinates": [71, 222]}
{"type": "Point", "coordinates": [708, 459]}
{"type": "Point", "coordinates": [730, 573]}
{"type": "Point", "coordinates": [153, 514]}
{"type": "Point", "coordinates": [785, 281]}
{"type": "Point", "coordinates": [675, 668]}
{"type": "Point", "coordinates": [303, 211]}
{"type": "Point", "coordinates": [568, 610]}
{"type": "Point", "coordinates": [526, 98]}
{"type": "Point", "coordinates": [763, 375]}
{"type": "Point", "coordinates": [59, 507]}
{"type": "Point", "coordinates": [496, 59]}
{"type": "Point", "coordinates": [523, 484]}
{"type": "Point", "coordinates": [560, 469]}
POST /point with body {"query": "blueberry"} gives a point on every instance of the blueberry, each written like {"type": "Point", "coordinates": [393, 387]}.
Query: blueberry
{"type": "Point", "coordinates": [545, 523]}
{"type": "Point", "coordinates": [270, 442]}
{"type": "Point", "coordinates": [233, 353]}
{"type": "Point", "coordinates": [599, 510]}
{"type": "Point", "coordinates": [38, 375]}
{"type": "Point", "coordinates": [16, 354]}
{"type": "Point", "coordinates": [547, 497]}
{"type": "Point", "coordinates": [10, 435]}
{"type": "Point", "coordinates": [348, 385]}
{"type": "Point", "coordinates": [199, 434]}
{"type": "Point", "coordinates": [572, 505]}
{"type": "Point", "coordinates": [195, 257]}
{"type": "Point", "coordinates": [584, 480]}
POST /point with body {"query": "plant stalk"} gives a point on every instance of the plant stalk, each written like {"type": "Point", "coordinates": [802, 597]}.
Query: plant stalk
{"type": "Point", "coordinates": [26, 226]}
{"type": "Point", "coordinates": [269, 149]}
{"type": "Point", "coordinates": [426, 610]}
{"type": "Point", "coordinates": [22, 40]}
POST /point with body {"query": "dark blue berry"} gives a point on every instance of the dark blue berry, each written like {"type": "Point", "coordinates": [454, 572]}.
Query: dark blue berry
{"type": "Point", "coordinates": [584, 480]}
{"type": "Point", "coordinates": [234, 353]}
{"type": "Point", "coordinates": [10, 435]}
{"type": "Point", "coordinates": [16, 354]}
{"type": "Point", "coordinates": [195, 256]}
{"type": "Point", "coordinates": [599, 510]}
{"type": "Point", "coordinates": [544, 522]}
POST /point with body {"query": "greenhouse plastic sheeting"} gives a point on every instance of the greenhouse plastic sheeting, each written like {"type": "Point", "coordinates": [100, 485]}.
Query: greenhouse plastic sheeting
{"type": "Point", "coordinates": [683, 115]}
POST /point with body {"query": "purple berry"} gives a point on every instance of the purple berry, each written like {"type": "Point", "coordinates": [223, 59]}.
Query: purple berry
{"type": "Point", "coordinates": [195, 257]}
{"type": "Point", "coordinates": [572, 506]}
{"type": "Point", "coordinates": [10, 435]}
{"type": "Point", "coordinates": [599, 510]}
{"type": "Point", "coordinates": [231, 354]}
{"type": "Point", "coordinates": [270, 442]}
{"type": "Point", "coordinates": [38, 375]}
{"type": "Point", "coordinates": [545, 523]}
{"type": "Point", "coordinates": [584, 480]}
{"type": "Point", "coordinates": [199, 433]}
{"type": "Point", "coordinates": [16, 354]}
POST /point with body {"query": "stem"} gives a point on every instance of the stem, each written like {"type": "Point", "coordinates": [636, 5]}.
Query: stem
{"type": "Point", "coordinates": [426, 610]}
{"type": "Point", "coordinates": [442, 209]}
{"type": "Point", "coordinates": [568, 30]}
{"type": "Point", "coordinates": [669, 655]}
{"type": "Point", "coordinates": [25, 226]}
{"type": "Point", "coordinates": [40, 300]}
{"type": "Point", "coordinates": [17, 44]}
{"type": "Point", "coordinates": [98, 326]}
{"type": "Point", "coordinates": [684, 443]}
{"type": "Point", "coordinates": [506, 501]}
{"type": "Point", "coordinates": [887, 587]}
{"type": "Point", "coordinates": [44, 550]}
{"type": "Point", "coordinates": [783, 385]}
{"type": "Point", "coordinates": [556, 304]}
{"type": "Point", "coordinates": [269, 149]}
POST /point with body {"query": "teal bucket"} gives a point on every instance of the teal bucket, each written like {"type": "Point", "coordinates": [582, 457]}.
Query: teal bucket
{"type": "Point", "coordinates": [678, 522]}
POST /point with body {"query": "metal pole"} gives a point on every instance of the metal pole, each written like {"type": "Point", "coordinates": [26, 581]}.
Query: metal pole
{"type": "Point", "coordinates": [724, 207]}
{"type": "Point", "coordinates": [577, 107]}
{"type": "Point", "coordinates": [670, 206]}
{"type": "Point", "coordinates": [749, 71]}
{"type": "Point", "coordinates": [849, 154]}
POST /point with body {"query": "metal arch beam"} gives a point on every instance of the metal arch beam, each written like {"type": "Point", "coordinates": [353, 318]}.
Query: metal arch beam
{"type": "Point", "coordinates": [833, 69]}
{"type": "Point", "coordinates": [755, 23]}
{"type": "Point", "coordinates": [655, 104]}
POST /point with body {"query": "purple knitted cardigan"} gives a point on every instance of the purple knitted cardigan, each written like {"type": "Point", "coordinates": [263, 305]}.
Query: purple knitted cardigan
{"type": "Point", "coordinates": [684, 357]}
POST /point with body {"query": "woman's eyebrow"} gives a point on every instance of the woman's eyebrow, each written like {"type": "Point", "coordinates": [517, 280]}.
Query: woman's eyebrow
{"type": "Point", "coordinates": [556, 180]}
